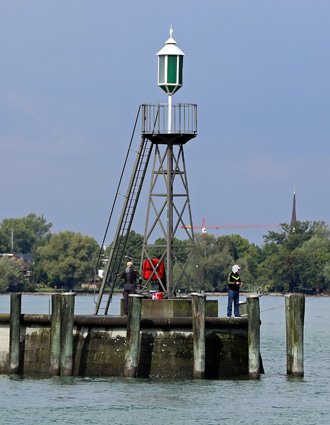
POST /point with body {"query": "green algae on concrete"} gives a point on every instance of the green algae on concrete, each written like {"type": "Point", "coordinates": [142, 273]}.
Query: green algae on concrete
{"type": "Point", "coordinates": [226, 355]}
{"type": "Point", "coordinates": [37, 350]}
{"type": "Point", "coordinates": [97, 353]}
{"type": "Point", "coordinates": [166, 347]}
{"type": "Point", "coordinates": [166, 354]}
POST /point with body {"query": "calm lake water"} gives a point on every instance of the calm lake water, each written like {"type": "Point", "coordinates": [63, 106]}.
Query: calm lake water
{"type": "Point", "coordinates": [274, 399]}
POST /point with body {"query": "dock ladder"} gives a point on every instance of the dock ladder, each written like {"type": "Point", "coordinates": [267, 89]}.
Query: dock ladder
{"type": "Point", "coordinates": [125, 222]}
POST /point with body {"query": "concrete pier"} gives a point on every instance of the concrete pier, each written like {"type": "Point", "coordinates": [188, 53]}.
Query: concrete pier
{"type": "Point", "coordinates": [295, 316]}
{"type": "Point", "coordinates": [253, 309]}
{"type": "Point", "coordinates": [176, 307]}
{"type": "Point", "coordinates": [161, 347]}
{"type": "Point", "coordinates": [198, 305]}
{"type": "Point", "coordinates": [133, 335]}
{"type": "Point", "coordinates": [15, 334]}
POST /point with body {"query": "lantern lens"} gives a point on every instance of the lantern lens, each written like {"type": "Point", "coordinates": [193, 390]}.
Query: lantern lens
{"type": "Point", "coordinates": [172, 69]}
{"type": "Point", "coordinates": [161, 75]}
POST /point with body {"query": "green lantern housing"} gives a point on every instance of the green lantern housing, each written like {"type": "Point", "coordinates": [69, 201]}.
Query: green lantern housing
{"type": "Point", "coordinates": [170, 66]}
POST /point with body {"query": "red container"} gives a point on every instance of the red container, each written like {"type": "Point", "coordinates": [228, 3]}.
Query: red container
{"type": "Point", "coordinates": [147, 269]}
{"type": "Point", "coordinates": [157, 296]}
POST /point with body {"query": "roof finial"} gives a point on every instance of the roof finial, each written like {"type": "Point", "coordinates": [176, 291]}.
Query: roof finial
{"type": "Point", "coordinates": [171, 39]}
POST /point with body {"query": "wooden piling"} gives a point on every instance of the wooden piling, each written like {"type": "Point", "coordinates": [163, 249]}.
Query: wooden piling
{"type": "Point", "coordinates": [253, 310]}
{"type": "Point", "coordinates": [55, 336]}
{"type": "Point", "coordinates": [133, 335]}
{"type": "Point", "coordinates": [242, 308]}
{"type": "Point", "coordinates": [295, 315]}
{"type": "Point", "coordinates": [67, 314]}
{"type": "Point", "coordinates": [15, 334]}
{"type": "Point", "coordinates": [198, 319]}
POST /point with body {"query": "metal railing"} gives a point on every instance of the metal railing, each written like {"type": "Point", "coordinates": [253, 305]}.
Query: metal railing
{"type": "Point", "coordinates": [156, 118]}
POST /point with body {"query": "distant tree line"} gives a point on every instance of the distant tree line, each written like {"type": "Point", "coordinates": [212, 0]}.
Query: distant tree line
{"type": "Point", "coordinates": [60, 260]}
{"type": "Point", "coordinates": [295, 259]}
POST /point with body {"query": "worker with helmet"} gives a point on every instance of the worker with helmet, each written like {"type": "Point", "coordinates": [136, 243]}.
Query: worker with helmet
{"type": "Point", "coordinates": [234, 283]}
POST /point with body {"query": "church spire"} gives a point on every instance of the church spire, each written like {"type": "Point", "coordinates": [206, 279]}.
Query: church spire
{"type": "Point", "coordinates": [294, 217]}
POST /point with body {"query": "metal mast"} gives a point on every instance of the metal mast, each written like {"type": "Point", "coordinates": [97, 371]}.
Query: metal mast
{"type": "Point", "coordinates": [173, 125]}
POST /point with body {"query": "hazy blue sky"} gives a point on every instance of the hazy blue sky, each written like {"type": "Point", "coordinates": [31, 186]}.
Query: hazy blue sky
{"type": "Point", "coordinates": [73, 74]}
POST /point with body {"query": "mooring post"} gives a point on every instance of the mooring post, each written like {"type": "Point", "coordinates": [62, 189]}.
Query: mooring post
{"type": "Point", "coordinates": [295, 315]}
{"type": "Point", "coordinates": [133, 335]}
{"type": "Point", "coordinates": [67, 315]}
{"type": "Point", "coordinates": [253, 309]}
{"type": "Point", "coordinates": [198, 319]}
{"type": "Point", "coordinates": [55, 336]}
{"type": "Point", "coordinates": [15, 334]}
{"type": "Point", "coordinates": [242, 308]}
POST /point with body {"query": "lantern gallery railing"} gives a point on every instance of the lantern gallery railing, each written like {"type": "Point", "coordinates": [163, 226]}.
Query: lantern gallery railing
{"type": "Point", "coordinates": [164, 118]}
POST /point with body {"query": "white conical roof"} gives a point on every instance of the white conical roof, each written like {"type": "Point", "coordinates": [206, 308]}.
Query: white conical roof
{"type": "Point", "coordinates": [170, 47]}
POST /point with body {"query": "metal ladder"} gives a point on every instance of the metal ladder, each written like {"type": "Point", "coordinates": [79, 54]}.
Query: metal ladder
{"type": "Point", "coordinates": [124, 225]}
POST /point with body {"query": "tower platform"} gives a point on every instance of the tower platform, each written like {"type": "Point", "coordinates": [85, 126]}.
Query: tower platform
{"type": "Point", "coordinates": [169, 139]}
{"type": "Point", "coordinates": [166, 124]}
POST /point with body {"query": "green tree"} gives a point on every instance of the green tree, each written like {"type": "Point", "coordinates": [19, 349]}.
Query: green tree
{"type": "Point", "coordinates": [297, 257]}
{"type": "Point", "coordinates": [69, 258]}
{"type": "Point", "coordinates": [214, 270]}
{"type": "Point", "coordinates": [215, 257]}
{"type": "Point", "coordinates": [206, 245]}
{"type": "Point", "coordinates": [236, 245]}
{"type": "Point", "coordinates": [249, 263]}
{"type": "Point", "coordinates": [132, 252]}
{"type": "Point", "coordinates": [180, 252]}
{"type": "Point", "coordinates": [23, 235]}
{"type": "Point", "coordinates": [11, 275]}
{"type": "Point", "coordinates": [310, 264]}
{"type": "Point", "coordinates": [294, 235]}
{"type": "Point", "coordinates": [133, 249]}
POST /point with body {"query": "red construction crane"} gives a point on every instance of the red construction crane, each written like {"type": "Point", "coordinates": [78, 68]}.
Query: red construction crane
{"type": "Point", "coordinates": [204, 227]}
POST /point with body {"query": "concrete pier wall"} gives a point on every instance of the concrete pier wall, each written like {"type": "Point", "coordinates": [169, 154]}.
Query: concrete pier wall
{"type": "Point", "coordinates": [99, 344]}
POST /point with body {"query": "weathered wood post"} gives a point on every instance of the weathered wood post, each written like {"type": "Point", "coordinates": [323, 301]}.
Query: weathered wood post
{"type": "Point", "coordinates": [55, 336]}
{"type": "Point", "coordinates": [198, 319]}
{"type": "Point", "coordinates": [15, 334]}
{"type": "Point", "coordinates": [253, 309]}
{"type": "Point", "coordinates": [133, 335]}
{"type": "Point", "coordinates": [295, 315]}
{"type": "Point", "coordinates": [67, 315]}
{"type": "Point", "coordinates": [242, 308]}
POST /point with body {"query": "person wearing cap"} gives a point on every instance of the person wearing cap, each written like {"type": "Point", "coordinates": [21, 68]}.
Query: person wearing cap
{"type": "Point", "coordinates": [130, 275]}
{"type": "Point", "coordinates": [234, 283]}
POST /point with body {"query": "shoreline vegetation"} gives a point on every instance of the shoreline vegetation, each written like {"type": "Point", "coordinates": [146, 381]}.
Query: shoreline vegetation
{"type": "Point", "coordinates": [294, 260]}
{"type": "Point", "coordinates": [208, 294]}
